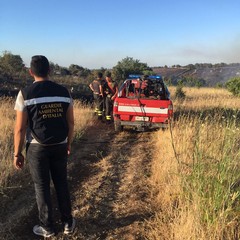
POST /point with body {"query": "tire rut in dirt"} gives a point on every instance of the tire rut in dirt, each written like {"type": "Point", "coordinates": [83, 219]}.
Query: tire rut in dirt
{"type": "Point", "coordinates": [114, 198]}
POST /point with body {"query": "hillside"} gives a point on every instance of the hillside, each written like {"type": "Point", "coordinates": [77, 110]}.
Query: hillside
{"type": "Point", "coordinates": [211, 75]}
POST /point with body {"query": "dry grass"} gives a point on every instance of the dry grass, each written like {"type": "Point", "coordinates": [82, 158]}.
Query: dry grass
{"type": "Point", "coordinates": [6, 139]}
{"type": "Point", "coordinates": [195, 175]}
{"type": "Point", "coordinates": [83, 115]}
{"type": "Point", "coordinates": [205, 98]}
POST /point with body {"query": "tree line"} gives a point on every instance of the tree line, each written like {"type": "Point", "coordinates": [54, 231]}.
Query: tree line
{"type": "Point", "coordinates": [12, 66]}
{"type": "Point", "coordinates": [13, 70]}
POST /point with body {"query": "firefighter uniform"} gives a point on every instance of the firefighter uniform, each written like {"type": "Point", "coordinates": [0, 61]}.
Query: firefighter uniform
{"type": "Point", "coordinates": [97, 95]}
{"type": "Point", "coordinates": [110, 90]}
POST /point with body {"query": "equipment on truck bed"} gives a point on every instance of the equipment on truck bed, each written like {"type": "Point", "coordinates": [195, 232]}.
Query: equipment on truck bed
{"type": "Point", "coordinates": [143, 102]}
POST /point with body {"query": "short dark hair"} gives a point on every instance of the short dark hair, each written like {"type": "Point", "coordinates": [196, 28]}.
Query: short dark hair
{"type": "Point", "coordinates": [108, 74]}
{"type": "Point", "coordinates": [145, 77]}
{"type": "Point", "coordinates": [40, 66]}
{"type": "Point", "coordinates": [99, 75]}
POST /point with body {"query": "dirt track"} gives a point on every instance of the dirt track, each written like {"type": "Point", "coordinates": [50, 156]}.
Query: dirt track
{"type": "Point", "coordinates": [108, 181]}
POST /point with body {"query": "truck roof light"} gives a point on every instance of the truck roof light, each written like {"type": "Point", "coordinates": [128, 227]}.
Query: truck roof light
{"type": "Point", "coordinates": [134, 76]}
{"type": "Point", "coordinates": [155, 77]}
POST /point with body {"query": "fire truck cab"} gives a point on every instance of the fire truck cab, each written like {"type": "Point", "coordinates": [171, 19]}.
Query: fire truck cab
{"type": "Point", "coordinates": [142, 103]}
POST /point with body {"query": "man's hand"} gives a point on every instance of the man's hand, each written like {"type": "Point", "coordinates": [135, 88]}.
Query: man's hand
{"type": "Point", "coordinates": [68, 149]}
{"type": "Point", "coordinates": [18, 161]}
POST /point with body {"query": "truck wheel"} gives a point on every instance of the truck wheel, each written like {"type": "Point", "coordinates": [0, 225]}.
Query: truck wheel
{"type": "Point", "coordinates": [118, 127]}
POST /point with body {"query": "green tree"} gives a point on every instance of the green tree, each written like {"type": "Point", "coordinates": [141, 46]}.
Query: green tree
{"type": "Point", "coordinates": [128, 66]}
{"type": "Point", "coordinates": [79, 71]}
{"type": "Point", "coordinates": [11, 65]}
{"type": "Point", "coordinates": [233, 85]}
{"type": "Point", "coordinates": [180, 94]}
{"type": "Point", "coordinates": [75, 69]}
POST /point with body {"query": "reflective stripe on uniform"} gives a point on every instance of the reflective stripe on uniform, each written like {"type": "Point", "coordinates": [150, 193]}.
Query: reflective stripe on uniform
{"type": "Point", "coordinates": [34, 101]}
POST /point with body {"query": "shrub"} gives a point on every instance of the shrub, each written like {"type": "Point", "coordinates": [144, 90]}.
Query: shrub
{"type": "Point", "coordinates": [233, 85]}
{"type": "Point", "coordinates": [180, 94]}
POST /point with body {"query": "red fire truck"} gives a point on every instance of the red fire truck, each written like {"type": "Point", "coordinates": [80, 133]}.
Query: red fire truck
{"type": "Point", "coordinates": [142, 103]}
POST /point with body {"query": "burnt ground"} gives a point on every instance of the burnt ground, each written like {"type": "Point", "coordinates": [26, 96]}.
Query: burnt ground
{"type": "Point", "coordinates": [108, 179]}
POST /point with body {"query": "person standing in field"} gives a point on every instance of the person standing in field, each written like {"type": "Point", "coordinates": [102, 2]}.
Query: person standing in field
{"type": "Point", "coordinates": [110, 91]}
{"type": "Point", "coordinates": [44, 114]}
{"type": "Point", "coordinates": [96, 87]}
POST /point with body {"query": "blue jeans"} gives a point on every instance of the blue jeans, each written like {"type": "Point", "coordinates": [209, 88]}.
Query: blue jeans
{"type": "Point", "coordinates": [46, 163]}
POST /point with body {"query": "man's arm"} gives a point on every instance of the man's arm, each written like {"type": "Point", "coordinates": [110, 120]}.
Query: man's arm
{"type": "Point", "coordinates": [116, 93]}
{"type": "Point", "coordinates": [70, 120]}
{"type": "Point", "coordinates": [101, 89]}
{"type": "Point", "coordinates": [91, 87]}
{"type": "Point", "coordinates": [19, 136]}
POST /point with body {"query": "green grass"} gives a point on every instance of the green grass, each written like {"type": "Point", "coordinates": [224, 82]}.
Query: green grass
{"type": "Point", "coordinates": [213, 177]}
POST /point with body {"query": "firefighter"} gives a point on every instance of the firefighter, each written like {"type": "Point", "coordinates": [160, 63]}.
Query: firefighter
{"type": "Point", "coordinates": [96, 87]}
{"type": "Point", "coordinates": [145, 86]}
{"type": "Point", "coordinates": [110, 91]}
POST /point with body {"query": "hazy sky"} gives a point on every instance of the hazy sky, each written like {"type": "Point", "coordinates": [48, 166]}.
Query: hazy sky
{"type": "Point", "coordinates": [99, 33]}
